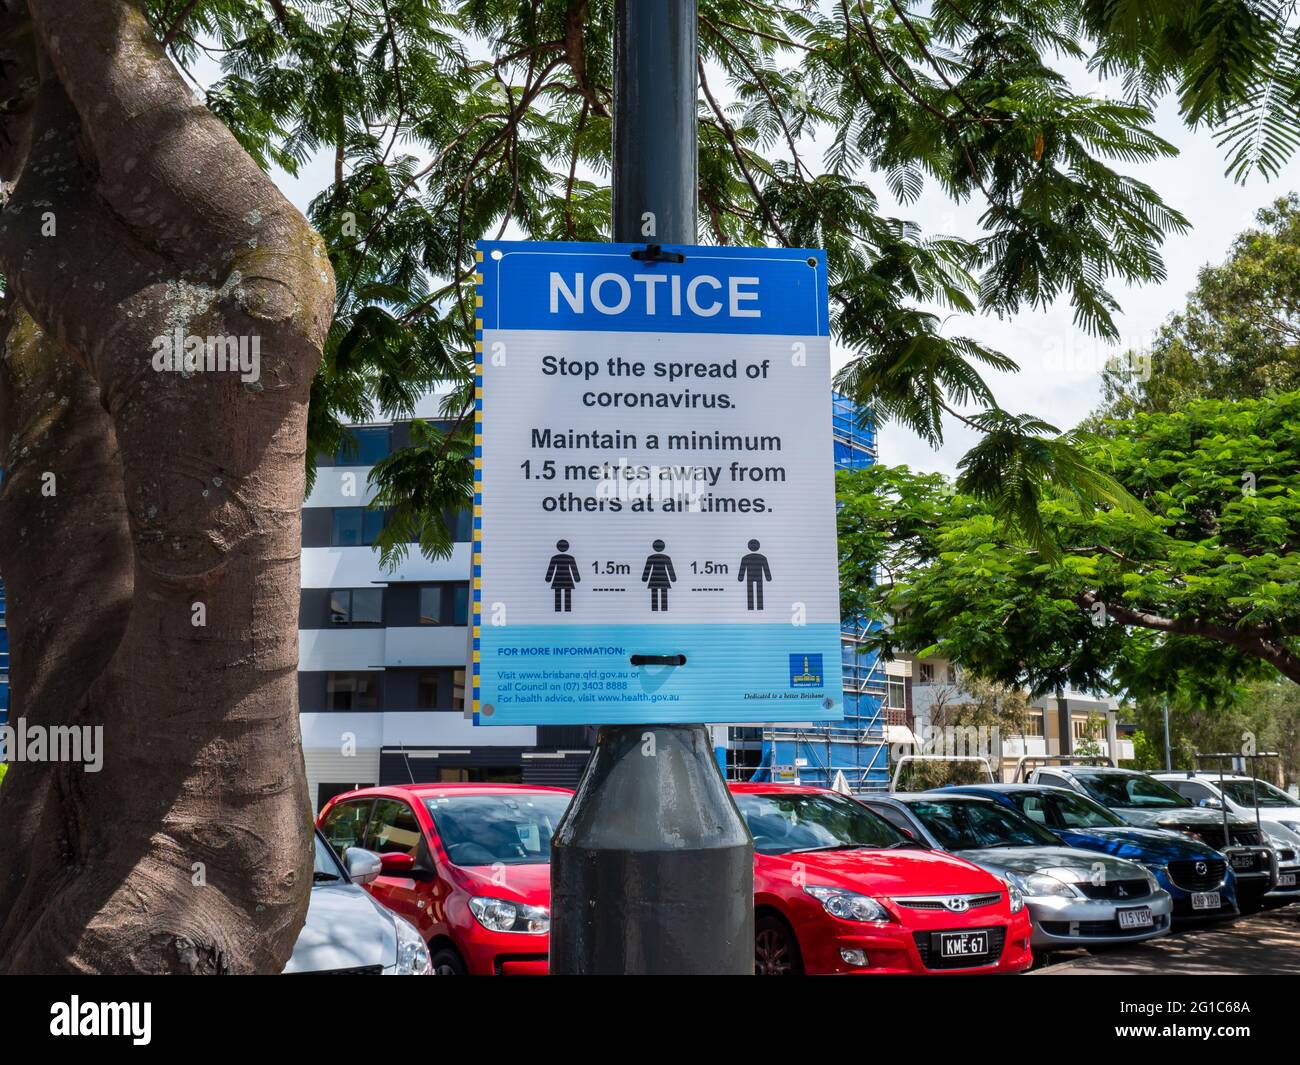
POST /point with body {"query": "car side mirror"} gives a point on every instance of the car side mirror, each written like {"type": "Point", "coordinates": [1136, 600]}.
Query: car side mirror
{"type": "Point", "coordinates": [1210, 804]}
{"type": "Point", "coordinates": [397, 863]}
{"type": "Point", "coordinates": [362, 865]}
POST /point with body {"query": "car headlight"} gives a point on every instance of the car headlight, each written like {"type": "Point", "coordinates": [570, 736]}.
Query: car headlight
{"type": "Point", "coordinates": [1153, 885]}
{"type": "Point", "coordinates": [498, 915]}
{"type": "Point", "coordinates": [848, 905]}
{"type": "Point", "coordinates": [1016, 896]}
{"type": "Point", "coordinates": [412, 951]}
{"type": "Point", "coordinates": [1044, 885]}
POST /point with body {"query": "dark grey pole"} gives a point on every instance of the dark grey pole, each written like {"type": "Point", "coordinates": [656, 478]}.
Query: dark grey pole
{"type": "Point", "coordinates": [652, 868]}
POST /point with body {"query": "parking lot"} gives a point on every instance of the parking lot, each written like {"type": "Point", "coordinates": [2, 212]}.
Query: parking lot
{"type": "Point", "coordinates": [1266, 943]}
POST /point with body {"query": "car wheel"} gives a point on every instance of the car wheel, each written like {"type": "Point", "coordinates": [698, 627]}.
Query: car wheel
{"type": "Point", "coordinates": [446, 962]}
{"type": "Point", "coordinates": [776, 953]}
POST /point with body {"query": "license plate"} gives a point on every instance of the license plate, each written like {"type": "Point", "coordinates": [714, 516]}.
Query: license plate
{"type": "Point", "coordinates": [1286, 879]}
{"type": "Point", "coordinates": [1206, 900]}
{"type": "Point", "coordinates": [1243, 861]}
{"type": "Point", "coordinates": [963, 944]}
{"type": "Point", "coordinates": [1138, 917]}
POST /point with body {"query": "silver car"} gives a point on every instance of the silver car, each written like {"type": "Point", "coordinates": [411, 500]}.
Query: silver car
{"type": "Point", "coordinates": [1076, 898]}
{"type": "Point", "coordinates": [347, 931]}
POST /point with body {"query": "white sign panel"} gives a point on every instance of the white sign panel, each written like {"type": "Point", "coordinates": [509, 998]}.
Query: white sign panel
{"type": "Point", "coordinates": [654, 499]}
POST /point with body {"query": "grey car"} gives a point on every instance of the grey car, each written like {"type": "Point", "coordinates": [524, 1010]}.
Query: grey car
{"type": "Point", "coordinates": [1076, 898]}
{"type": "Point", "coordinates": [347, 931]}
{"type": "Point", "coordinates": [1143, 801]}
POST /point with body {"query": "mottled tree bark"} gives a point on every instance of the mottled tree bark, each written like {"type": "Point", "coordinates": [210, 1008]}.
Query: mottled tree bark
{"type": "Point", "coordinates": [154, 590]}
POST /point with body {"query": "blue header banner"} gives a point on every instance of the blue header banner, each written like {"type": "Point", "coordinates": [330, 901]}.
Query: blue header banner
{"type": "Point", "coordinates": [600, 287]}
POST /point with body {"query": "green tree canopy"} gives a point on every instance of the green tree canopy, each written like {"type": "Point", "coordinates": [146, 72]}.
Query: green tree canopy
{"type": "Point", "coordinates": [451, 120]}
{"type": "Point", "coordinates": [1203, 592]}
{"type": "Point", "coordinates": [1238, 336]}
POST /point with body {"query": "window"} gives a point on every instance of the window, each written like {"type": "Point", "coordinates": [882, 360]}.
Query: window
{"type": "Point", "coordinates": [441, 689]}
{"type": "Point", "coordinates": [362, 447]}
{"type": "Point", "coordinates": [393, 829]}
{"type": "Point", "coordinates": [355, 526]}
{"type": "Point", "coordinates": [782, 823]}
{"type": "Point", "coordinates": [895, 693]}
{"type": "Point", "coordinates": [925, 672]}
{"type": "Point", "coordinates": [357, 606]}
{"type": "Point", "coordinates": [325, 792]}
{"type": "Point", "coordinates": [352, 691]}
{"type": "Point", "coordinates": [444, 604]}
{"type": "Point", "coordinates": [1079, 726]}
{"type": "Point", "coordinates": [345, 824]}
{"type": "Point", "coordinates": [1034, 725]}
{"type": "Point", "coordinates": [951, 671]}
{"type": "Point", "coordinates": [461, 525]}
{"type": "Point", "coordinates": [479, 830]}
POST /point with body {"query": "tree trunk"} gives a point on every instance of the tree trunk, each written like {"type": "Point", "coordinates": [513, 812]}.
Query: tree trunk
{"type": "Point", "coordinates": [149, 516]}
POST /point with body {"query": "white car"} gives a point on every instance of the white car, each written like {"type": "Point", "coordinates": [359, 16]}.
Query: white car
{"type": "Point", "coordinates": [1278, 812]}
{"type": "Point", "coordinates": [347, 931]}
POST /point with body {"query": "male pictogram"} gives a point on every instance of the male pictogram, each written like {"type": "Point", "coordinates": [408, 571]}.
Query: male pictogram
{"type": "Point", "coordinates": [754, 571]}
{"type": "Point", "coordinates": [562, 575]}
{"type": "Point", "coordinates": [659, 575]}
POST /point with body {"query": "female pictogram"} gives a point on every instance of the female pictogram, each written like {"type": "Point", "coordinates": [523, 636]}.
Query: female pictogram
{"type": "Point", "coordinates": [659, 575]}
{"type": "Point", "coordinates": [562, 575]}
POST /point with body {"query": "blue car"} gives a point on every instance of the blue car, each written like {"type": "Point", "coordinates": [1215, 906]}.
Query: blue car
{"type": "Point", "coordinates": [1198, 878]}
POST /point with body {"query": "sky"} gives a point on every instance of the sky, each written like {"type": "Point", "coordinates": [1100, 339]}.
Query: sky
{"type": "Point", "coordinates": [1060, 365]}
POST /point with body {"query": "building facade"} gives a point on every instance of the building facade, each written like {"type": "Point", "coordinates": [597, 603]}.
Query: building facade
{"type": "Point", "coordinates": [382, 657]}
{"type": "Point", "coordinates": [1064, 723]}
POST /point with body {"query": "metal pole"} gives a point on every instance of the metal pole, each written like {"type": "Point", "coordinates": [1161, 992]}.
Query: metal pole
{"type": "Point", "coordinates": [652, 867]}
{"type": "Point", "coordinates": [1169, 759]}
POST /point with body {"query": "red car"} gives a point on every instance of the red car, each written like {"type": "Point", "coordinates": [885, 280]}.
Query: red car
{"type": "Point", "coordinates": [467, 864]}
{"type": "Point", "coordinates": [837, 889]}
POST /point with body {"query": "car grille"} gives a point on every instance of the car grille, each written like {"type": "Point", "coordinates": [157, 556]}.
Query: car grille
{"type": "Point", "coordinates": [1184, 874]}
{"type": "Point", "coordinates": [997, 937]}
{"type": "Point", "coordinates": [1101, 928]}
{"type": "Point", "coordinates": [1258, 864]}
{"type": "Point", "coordinates": [937, 902]}
{"type": "Point", "coordinates": [1212, 835]}
{"type": "Point", "coordinates": [1116, 889]}
{"type": "Point", "coordinates": [1285, 855]}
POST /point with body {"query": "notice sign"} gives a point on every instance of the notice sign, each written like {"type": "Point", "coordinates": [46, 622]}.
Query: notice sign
{"type": "Point", "coordinates": [655, 497]}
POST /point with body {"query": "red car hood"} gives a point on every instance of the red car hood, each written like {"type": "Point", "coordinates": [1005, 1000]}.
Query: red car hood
{"type": "Point", "coordinates": [886, 873]}
{"type": "Point", "coordinates": [529, 884]}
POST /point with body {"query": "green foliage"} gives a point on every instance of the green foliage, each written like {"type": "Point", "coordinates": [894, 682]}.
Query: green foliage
{"type": "Point", "coordinates": [452, 120]}
{"type": "Point", "coordinates": [1203, 593]}
{"type": "Point", "coordinates": [1237, 338]}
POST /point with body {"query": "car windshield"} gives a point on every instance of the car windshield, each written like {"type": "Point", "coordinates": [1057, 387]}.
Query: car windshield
{"type": "Point", "coordinates": [1129, 791]}
{"type": "Point", "coordinates": [1065, 809]}
{"type": "Point", "coordinates": [1240, 792]}
{"type": "Point", "coordinates": [509, 829]}
{"type": "Point", "coordinates": [970, 824]}
{"type": "Point", "coordinates": [807, 821]}
{"type": "Point", "coordinates": [325, 866]}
